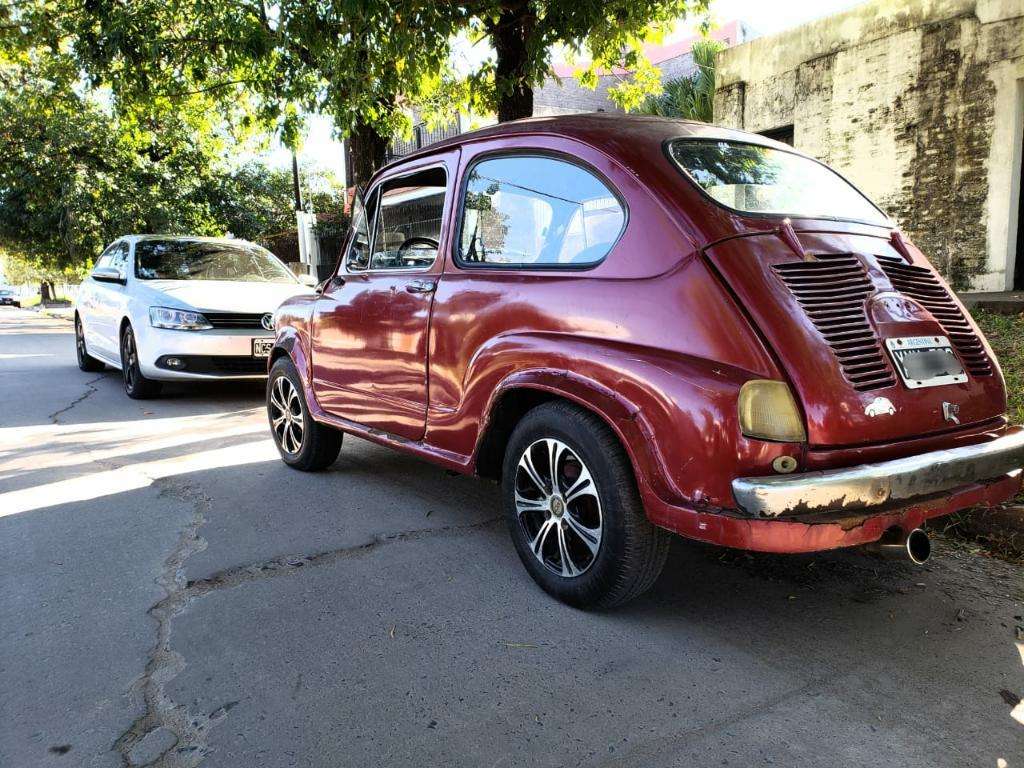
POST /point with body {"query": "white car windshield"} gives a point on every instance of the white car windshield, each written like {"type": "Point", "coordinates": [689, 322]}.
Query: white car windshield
{"type": "Point", "coordinates": [761, 180]}
{"type": "Point", "coordinates": [199, 260]}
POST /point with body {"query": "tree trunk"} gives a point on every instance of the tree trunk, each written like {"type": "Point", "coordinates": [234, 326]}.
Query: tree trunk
{"type": "Point", "coordinates": [368, 151]}
{"type": "Point", "coordinates": [512, 73]}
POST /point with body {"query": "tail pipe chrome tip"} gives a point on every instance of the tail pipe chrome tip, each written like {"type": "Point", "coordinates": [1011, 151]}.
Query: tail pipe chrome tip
{"type": "Point", "coordinates": [915, 546]}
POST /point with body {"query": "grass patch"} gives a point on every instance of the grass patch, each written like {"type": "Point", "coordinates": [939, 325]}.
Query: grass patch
{"type": "Point", "coordinates": [996, 530]}
{"type": "Point", "coordinates": [34, 301]}
{"type": "Point", "coordinates": [1006, 335]}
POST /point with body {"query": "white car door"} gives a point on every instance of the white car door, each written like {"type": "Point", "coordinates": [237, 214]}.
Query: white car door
{"type": "Point", "coordinates": [107, 297]}
{"type": "Point", "coordinates": [87, 305]}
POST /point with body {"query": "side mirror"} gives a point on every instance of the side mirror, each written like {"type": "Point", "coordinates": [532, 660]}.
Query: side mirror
{"type": "Point", "coordinates": [108, 275]}
{"type": "Point", "coordinates": [308, 280]}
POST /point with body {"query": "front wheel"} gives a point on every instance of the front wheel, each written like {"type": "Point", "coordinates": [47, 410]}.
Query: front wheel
{"type": "Point", "coordinates": [86, 362]}
{"type": "Point", "coordinates": [303, 443]}
{"type": "Point", "coordinates": [136, 386]}
{"type": "Point", "coordinates": [574, 512]}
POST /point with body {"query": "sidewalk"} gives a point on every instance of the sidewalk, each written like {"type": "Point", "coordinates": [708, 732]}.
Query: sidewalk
{"type": "Point", "coordinates": [1003, 302]}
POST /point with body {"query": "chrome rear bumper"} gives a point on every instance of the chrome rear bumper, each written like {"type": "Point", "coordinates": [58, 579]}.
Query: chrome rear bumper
{"type": "Point", "coordinates": [885, 483]}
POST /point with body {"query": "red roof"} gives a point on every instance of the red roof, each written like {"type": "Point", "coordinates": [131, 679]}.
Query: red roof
{"type": "Point", "coordinates": [728, 33]}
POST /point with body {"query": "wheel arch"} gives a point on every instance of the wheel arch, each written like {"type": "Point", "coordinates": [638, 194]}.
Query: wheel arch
{"type": "Point", "coordinates": [524, 391]}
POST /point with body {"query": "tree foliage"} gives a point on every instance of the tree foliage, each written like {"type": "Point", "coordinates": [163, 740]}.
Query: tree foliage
{"type": "Point", "coordinates": [78, 170]}
{"type": "Point", "coordinates": [524, 34]}
{"type": "Point", "coordinates": [691, 96]}
{"type": "Point", "coordinates": [360, 62]}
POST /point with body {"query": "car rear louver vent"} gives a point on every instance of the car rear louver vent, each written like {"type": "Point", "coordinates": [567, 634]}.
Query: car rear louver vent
{"type": "Point", "coordinates": [925, 288]}
{"type": "Point", "coordinates": [832, 290]}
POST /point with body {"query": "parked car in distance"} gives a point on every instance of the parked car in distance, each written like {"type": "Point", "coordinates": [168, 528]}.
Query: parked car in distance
{"type": "Point", "coordinates": [164, 308]}
{"type": "Point", "coordinates": [642, 326]}
{"type": "Point", "coordinates": [9, 298]}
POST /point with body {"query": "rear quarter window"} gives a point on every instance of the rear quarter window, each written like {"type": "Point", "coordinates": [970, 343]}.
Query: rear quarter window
{"type": "Point", "coordinates": [537, 212]}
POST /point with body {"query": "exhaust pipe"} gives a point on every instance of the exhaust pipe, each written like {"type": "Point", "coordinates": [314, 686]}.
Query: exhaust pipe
{"type": "Point", "coordinates": [915, 546]}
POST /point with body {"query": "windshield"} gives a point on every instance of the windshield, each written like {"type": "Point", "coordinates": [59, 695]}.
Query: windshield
{"type": "Point", "coordinates": [198, 260]}
{"type": "Point", "coordinates": [755, 179]}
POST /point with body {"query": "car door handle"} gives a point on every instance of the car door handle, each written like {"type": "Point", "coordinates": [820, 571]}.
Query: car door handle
{"type": "Point", "coordinates": [421, 286]}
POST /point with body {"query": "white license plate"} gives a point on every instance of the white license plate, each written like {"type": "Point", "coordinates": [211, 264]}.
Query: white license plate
{"type": "Point", "coordinates": [925, 361]}
{"type": "Point", "coordinates": [262, 347]}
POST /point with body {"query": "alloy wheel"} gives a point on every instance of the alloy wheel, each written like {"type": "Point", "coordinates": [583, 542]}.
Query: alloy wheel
{"type": "Point", "coordinates": [79, 340]}
{"type": "Point", "coordinates": [129, 360]}
{"type": "Point", "coordinates": [558, 507]}
{"type": "Point", "coordinates": [286, 415]}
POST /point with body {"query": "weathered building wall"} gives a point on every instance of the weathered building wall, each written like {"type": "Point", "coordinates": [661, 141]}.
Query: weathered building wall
{"type": "Point", "coordinates": [918, 102]}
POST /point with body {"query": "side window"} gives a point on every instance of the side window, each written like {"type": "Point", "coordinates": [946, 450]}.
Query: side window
{"type": "Point", "coordinates": [537, 212]}
{"type": "Point", "coordinates": [106, 257]}
{"type": "Point", "coordinates": [407, 227]}
{"type": "Point", "coordinates": [119, 259]}
{"type": "Point", "coordinates": [358, 256]}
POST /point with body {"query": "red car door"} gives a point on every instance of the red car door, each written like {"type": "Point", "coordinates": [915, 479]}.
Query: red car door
{"type": "Point", "coordinates": [371, 323]}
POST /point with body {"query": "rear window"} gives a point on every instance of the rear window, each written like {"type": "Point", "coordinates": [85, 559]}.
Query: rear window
{"type": "Point", "coordinates": [762, 180]}
{"type": "Point", "coordinates": [537, 212]}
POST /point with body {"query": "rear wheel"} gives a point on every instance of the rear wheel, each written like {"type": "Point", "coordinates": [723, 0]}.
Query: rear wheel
{"type": "Point", "coordinates": [86, 362]}
{"type": "Point", "coordinates": [574, 512]}
{"type": "Point", "coordinates": [136, 386]}
{"type": "Point", "coordinates": [303, 443]}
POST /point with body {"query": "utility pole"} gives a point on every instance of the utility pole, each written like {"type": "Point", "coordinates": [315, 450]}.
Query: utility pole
{"type": "Point", "coordinates": [295, 182]}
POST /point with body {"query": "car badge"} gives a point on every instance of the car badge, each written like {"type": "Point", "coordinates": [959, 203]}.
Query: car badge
{"type": "Point", "coordinates": [879, 406]}
{"type": "Point", "coordinates": [951, 412]}
{"type": "Point", "coordinates": [267, 321]}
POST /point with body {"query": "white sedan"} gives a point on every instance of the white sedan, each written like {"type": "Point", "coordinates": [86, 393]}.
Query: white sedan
{"type": "Point", "coordinates": [170, 308]}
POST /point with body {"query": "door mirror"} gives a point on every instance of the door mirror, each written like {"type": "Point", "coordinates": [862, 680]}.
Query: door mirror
{"type": "Point", "coordinates": [308, 280]}
{"type": "Point", "coordinates": [108, 275]}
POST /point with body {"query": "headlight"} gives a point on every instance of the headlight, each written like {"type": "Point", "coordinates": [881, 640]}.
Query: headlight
{"type": "Point", "coordinates": [768, 411]}
{"type": "Point", "coordinates": [177, 319]}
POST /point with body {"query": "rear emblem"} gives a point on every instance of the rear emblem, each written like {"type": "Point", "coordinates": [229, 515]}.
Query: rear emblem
{"type": "Point", "coordinates": [951, 412]}
{"type": "Point", "coordinates": [267, 321]}
{"type": "Point", "coordinates": [879, 406]}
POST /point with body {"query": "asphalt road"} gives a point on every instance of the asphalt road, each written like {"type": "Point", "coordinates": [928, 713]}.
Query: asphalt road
{"type": "Point", "coordinates": [171, 594]}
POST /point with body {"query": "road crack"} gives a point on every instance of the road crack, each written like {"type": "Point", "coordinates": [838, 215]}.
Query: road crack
{"type": "Point", "coordinates": [191, 730]}
{"type": "Point", "coordinates": [284, 565]}
{"type": "Point", "coordinates": [164, 664]}
{"type": "Point", "coordinates": [90, 391]}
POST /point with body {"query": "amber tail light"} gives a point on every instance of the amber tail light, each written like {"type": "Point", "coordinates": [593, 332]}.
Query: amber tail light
{"type": "Point", "coordinates": [768, 411]}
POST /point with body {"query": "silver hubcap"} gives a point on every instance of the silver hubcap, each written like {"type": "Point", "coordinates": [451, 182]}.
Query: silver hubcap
{"type": "Point", "coordinates": [286, 415]}
{"type": "Point", "coordinates": [558, 507]}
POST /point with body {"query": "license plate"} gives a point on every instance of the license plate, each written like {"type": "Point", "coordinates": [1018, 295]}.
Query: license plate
{"type": "Point", "coordinates": [925, 361]}
{"type": "Point", "coordinates": [262, 347]}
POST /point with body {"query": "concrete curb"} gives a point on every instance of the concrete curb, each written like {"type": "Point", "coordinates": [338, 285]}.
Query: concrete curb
{"type": "Point", "coordinates": [58, 313]}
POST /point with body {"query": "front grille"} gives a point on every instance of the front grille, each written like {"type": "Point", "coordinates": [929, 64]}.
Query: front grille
{"type": "Point", "coordinates": [832, 291]}
{"type": "Point", "coordinates": [234, 319]}
{"type": "Point", "coordinates": [925, 288]}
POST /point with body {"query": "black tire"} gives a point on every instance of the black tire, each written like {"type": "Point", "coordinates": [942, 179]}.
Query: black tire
{"type": "Point", "coordinates": [136, 386]}
{"type": "Point", "coordinates": [318, 445]}
{"type": "Point", "coordinates": [86, 362]}
{"type": "Point", "coordinates": [630, 551]}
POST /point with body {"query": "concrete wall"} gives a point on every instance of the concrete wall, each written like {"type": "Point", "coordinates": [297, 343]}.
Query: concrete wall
{"type": "Point", "coordinates": [918, 102]}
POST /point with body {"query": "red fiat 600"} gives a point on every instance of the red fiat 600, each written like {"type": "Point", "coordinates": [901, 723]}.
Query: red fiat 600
{"type": "Point", "coordinates": [642, 326]}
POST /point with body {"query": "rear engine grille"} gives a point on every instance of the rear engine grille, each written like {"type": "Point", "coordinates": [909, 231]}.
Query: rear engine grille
{"type": "Point", "coordinates": [832, 290]}
{"type": "Point", "coordinates": [234, 319]}
{"type": "Point", "coordinates": [924, 287]}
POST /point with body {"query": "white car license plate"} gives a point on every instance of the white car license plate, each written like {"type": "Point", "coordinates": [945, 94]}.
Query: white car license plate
{"type": "Point", "coordinates": [262, 347]}
{"type": "Point", "coordinates": [925, 361]}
